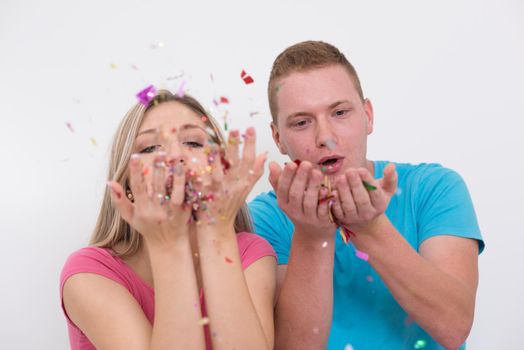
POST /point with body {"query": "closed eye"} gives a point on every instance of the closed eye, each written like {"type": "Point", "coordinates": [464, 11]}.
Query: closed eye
{"type": "Point", "coordinates": [193, 144]}
{"type": "Point", "coordinates": [150, 149]}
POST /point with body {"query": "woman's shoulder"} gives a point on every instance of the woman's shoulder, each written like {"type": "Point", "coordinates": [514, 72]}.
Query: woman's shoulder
{"type": "Point", "coordinates": [97, 260]}
{"type": "Point", "coordinates": [252, 247]}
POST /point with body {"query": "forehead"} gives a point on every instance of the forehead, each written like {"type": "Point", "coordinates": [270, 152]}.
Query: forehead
{"type": "Point", "coordinates": [314, 88]}
{"type": "Point", "coordinates": [170, 114]}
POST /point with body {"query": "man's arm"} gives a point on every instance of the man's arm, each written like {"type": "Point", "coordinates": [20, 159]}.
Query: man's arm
{"type": "Point", "coordinates": [304, 306]}
{"type": "Point", "coordinates": [436, 287]}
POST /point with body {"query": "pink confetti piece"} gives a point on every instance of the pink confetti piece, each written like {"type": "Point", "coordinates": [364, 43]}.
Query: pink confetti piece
{"type": "Point", "coordinates": [246, 78]}
{"type": "Point", "coordinates": [224, 100]}
{"type": "Point", "coordinates": [361, 255]}
{"type": "Point", "coordinates": [369, 278]}
{"type": "Point", "coordinates": [135, 67]}
{"type": "Point", "coordinates": [211, 77]}
{"type": "Point", "coordinates": [70, 127]}
{"type": "Point", "coordinates": [229, 261]}
{"type": "Point", "coordinates": [181, 89]}
{"type": "Point", "coordinates": [145, 96]}
{"type": "Point", "coordinates": [251, 114]}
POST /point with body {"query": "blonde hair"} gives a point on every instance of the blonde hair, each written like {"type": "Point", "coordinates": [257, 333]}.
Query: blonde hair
{"type": "Point", "coordinates": [304, 56]}
{"type": "Point", "coordinates": [110, 228]}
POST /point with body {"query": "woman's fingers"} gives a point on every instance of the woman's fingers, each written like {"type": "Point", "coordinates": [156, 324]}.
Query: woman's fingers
{"type": "Point", "coordinates": [179, 180]}
{"type": "Point", "coordinates": [137, 174]}
{"type": "Point", "coordinates": [274, 174]}
{"type": "Point", "coordinates": [248, 151]}
{"type": "Point", "coordinates": [159, 178]}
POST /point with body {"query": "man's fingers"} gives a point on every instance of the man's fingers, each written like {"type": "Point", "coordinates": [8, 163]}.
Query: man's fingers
{"type": "Point", "coordinates": [274, 174]}
{"type": "Point", "coordinates": [389, 181]}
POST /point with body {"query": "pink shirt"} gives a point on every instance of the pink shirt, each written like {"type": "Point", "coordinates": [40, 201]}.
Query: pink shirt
{"type": "Point", "coordinates": [101, 262]}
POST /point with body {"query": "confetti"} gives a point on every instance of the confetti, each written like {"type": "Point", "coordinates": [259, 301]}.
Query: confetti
{"type": "Point", "coordinates": [181, 92]}
{"type": "Point", "coordinates": [252, 114]}
{"type": "Point", "coordinates": [325, 199]}
{"type": "Point", "coordinates": [113, 66]}
{"type": "Point", "coordinates": [246, 78]}
{"type": "Point", "coordinates": [203, 321]}
{"type": "Point", "coordinates": [368, 186]}
{"type": "Point", "coordinates": [157, 45]}
{"type": "Point", "coordinates": [398, 192]}
{"type": "Point", "coordinates": [331, 144]}
{"type": "Point", "coordinates": [70, 127]}
{"type": "Point", "coordinates": [224, 100]}
{"type": "Point", "coordinates": [323, 169]}
{"type": "Point", "coordinates": [361, 255]}
{"type": "Point", "coordinates": [369, 278]}
{"type": "Point", "coordinates": [176, 76]}
{"type": "Point", "coordinates": [145, 96]}
{"type": "Point", "coordinates": [134, 67]}
{"type": "Point", "coordinates": [203, 118]}
{"type": "Point", "coordinates": [420, 344]}
{"type": "Point", "coordinates": [229, 261]}
{"type": "Point", "coordinates": [324, 245]}
{"type": "Point", "coordinates": [297, 162]}
{"type": "Point", "coordinates": [348, 347]}
{"type": "Point", "coordinates": [315, 330]}
{"type": "Point", "coordinates": [93, 141]}
{"type": "Point", "coordinates": [346, 233]}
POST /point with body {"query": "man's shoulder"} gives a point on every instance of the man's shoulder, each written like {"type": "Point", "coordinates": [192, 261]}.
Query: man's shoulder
{"type": "Point", "coordinates": [420, 172]}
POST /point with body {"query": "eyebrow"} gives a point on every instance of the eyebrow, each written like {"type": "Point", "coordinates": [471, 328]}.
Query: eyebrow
{"type": "Point", "coordinates": [183, 127]}
{"type": "Point", "coordinates": [333, 105]}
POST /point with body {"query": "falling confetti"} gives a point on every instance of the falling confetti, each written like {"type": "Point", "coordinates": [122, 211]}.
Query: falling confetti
{"type": "Point", "coordinates": [70, 127]}
{"type": "Point", "coordinates": [324, 245]}
{"type": "Point", "coordinates": [252, 114]}
{"type": "Point", "coordinates": [229, 261]}
{"type": "Point", "coordinates": [134, 67]}
{"type": "Point", "coordinates": [361, 255]}
{"type": "Point", "coordinates": [181, 89]}
{"type": "Point", "coordinates": [246, 78]}
{"type": "Point", "coordinates": [145, 96]}
{"type": "Point", "coordinates": [331, 144]}
{"type": "Point", "coordinates": [113, 66]}
{"type": "Point", "coordinates": [157, 45]}
{"type": "Point", "coordinates": [224, 100]}
{"type": "Point", "coordinates": [368, 186]}
{"type": "Point", "coordinates": [93, 141]}
{"type": "Point", "coordinates": [211, 77]}
{"type": "Point", "coordinates": [420, 344]}
{"type": "Point", "coordinates": [345, 233]}
{"type": "Point", "coordinates": [176, 76]}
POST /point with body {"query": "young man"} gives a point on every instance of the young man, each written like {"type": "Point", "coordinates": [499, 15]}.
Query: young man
{"type": "Point", "coordinates": [408, 277]}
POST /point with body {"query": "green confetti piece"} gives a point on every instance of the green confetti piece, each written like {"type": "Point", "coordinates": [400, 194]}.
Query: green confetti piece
{"type": "Point", "coordinates": [368, 186]}
{"type": "Point", "coordinates": [420, 344]}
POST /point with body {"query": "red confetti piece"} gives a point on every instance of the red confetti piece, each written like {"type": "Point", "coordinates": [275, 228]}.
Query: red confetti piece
{"type": "Point", "coordinates": [324, 200]}
{"type": "Point", "coordinates": [346, 234]}
{"type": "Point", "coordinates": [145, 172]}
{"type": "Point", "coordinates": [297, 162]}
{"type": "Point", "coordinates": [229, 261]}
{"type": "Point", "coordinates": [173, 130]}
{"type": "Point", "coordinates": [223, 99]}
{"type": "Point", "coordinates": [246, 78]}
{"type": "Point", "coordinates": [204, 118]}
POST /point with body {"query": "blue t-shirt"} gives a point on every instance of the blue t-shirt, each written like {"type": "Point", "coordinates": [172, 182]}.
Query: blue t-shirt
{"type": "Point", "coordinates": [431, 200]}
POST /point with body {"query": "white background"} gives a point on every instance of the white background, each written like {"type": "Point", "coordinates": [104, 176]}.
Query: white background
{"type": "Point", "coordinates": [446, 79]}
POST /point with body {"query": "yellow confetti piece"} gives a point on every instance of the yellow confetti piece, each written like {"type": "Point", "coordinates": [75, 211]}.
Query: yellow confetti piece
{"type": "Point", "coordinates": [113, 66]}
{"type": "Point", "coordinates": [93, 141]}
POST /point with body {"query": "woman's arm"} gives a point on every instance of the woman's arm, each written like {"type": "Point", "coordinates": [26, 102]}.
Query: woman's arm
{"type": "Point", "coordinates": [112, 318]}
{"type": "Point", "coordinates": [239, 304]}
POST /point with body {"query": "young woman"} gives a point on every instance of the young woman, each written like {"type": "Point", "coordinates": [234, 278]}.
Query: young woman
{"type": "Point", "coordinates": [171, 264]}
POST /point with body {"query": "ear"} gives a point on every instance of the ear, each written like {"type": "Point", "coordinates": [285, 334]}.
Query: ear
{"type": "Point", "coordinates": [276, 138]}
{"type": "Point", "coordinates": [368, 109]}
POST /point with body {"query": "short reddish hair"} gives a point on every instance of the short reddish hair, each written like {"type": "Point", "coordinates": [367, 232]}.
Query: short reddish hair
{"type": "Point", "coordinates": [304, 56]}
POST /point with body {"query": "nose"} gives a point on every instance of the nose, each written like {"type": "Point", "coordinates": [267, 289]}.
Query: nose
{"type": "Point", "coordinates": [325, 133]}
{"type": "Point", "coordinates": [173, 147]}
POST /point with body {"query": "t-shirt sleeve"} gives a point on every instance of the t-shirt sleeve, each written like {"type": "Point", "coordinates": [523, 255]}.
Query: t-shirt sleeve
{"type": "Point", "coordinates": [272, 224]}
{"type": "Point", "coordinates": [90, 260]}
{"type": "Point", "coordinates": [445, 206]}
{"type": "Point", "coordinates": [252, 248]}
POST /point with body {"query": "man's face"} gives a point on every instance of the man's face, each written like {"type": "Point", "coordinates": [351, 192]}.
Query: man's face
{"type": "Point", "coordinates": [322, 119]}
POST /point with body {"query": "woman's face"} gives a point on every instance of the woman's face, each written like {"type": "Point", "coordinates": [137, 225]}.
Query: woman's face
{"type": "Point", "coordinates": [177, 130]}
